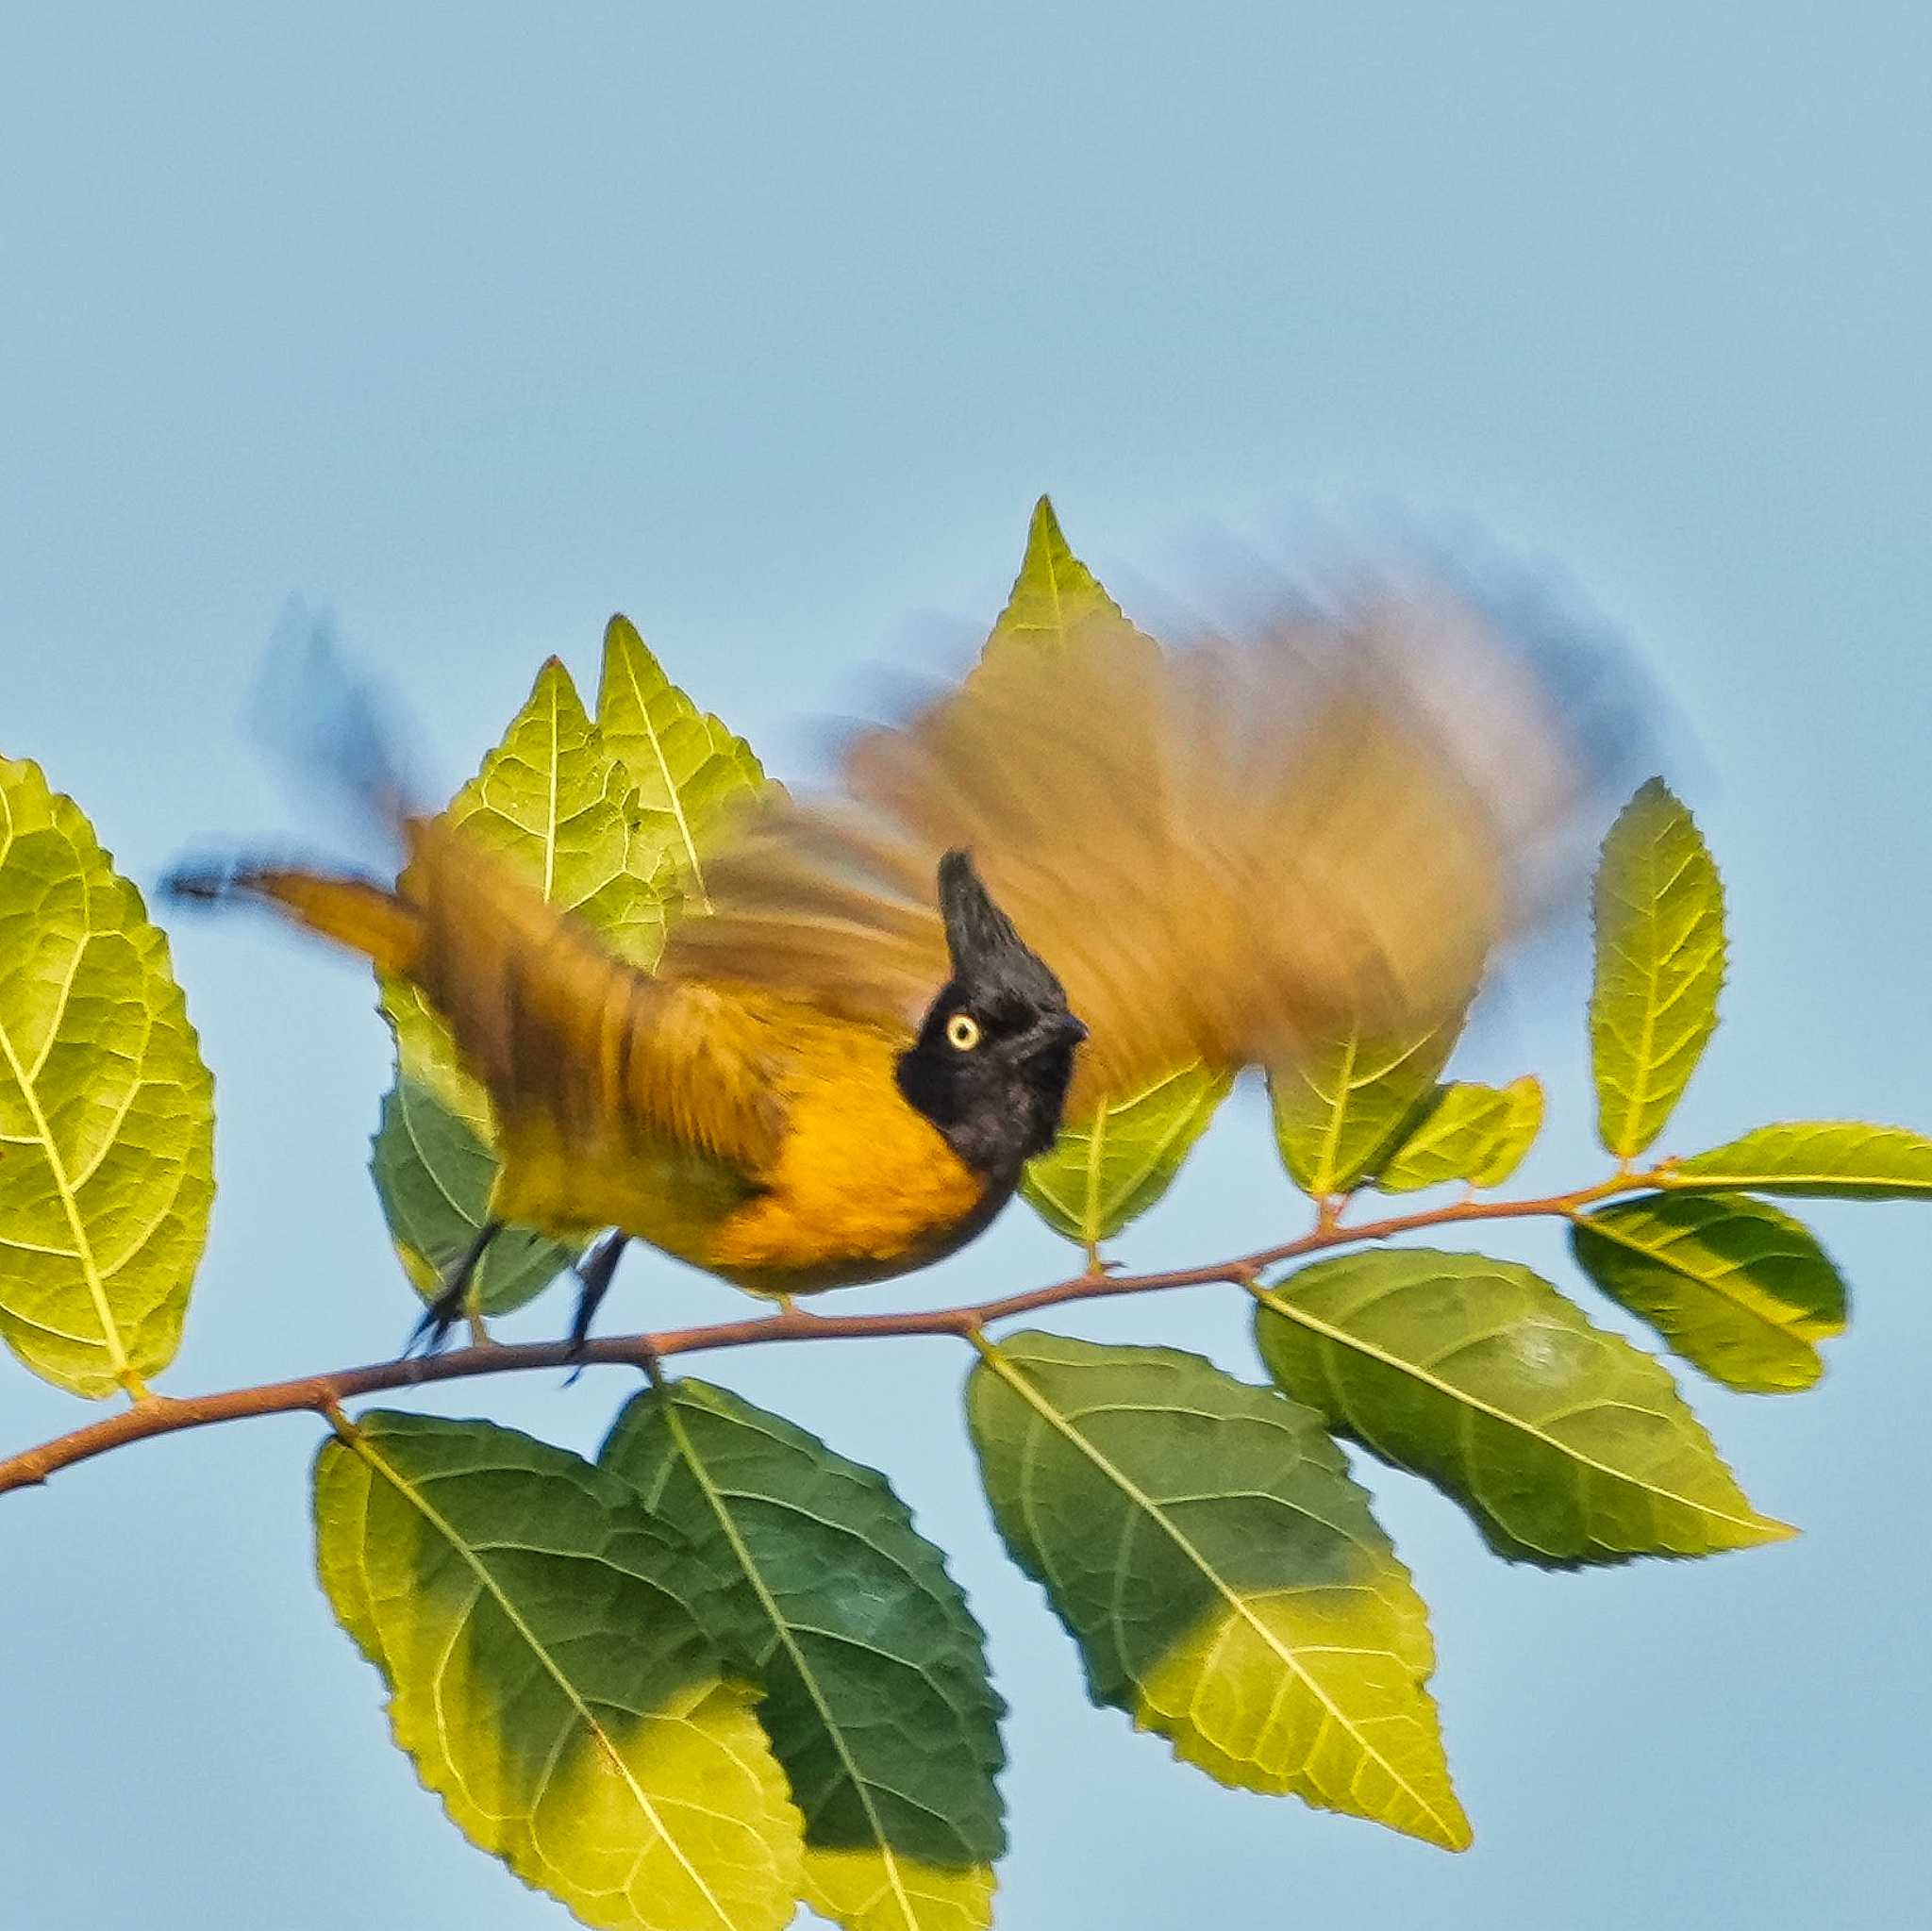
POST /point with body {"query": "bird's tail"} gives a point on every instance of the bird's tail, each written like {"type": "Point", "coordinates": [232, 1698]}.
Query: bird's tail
{"type": "Point", "coordinates": [358, 913]}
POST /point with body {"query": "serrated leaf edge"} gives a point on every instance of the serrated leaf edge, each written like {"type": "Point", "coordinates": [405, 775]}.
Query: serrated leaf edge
{"type": "Point", "coordinates": [627, 669]}
{"type": "Point", "coordinates": [1780, 1531]}
{"type": "Point", "coordinates": [742, 1555]}
{"type": "Point", "coordinates": [358, 1441]}
{"type": "Point", "coordinates": [1454, 1828]}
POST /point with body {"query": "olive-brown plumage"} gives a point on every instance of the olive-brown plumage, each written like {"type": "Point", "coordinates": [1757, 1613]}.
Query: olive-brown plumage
{"type": "Point", "coordinates": [838, 1070]}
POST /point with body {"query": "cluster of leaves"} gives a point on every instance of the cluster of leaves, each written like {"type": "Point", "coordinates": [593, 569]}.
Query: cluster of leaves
{"type": "Point", "coordinates": [716, 1669]}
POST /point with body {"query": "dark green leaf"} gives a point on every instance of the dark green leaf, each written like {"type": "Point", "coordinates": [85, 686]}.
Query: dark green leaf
{"type": "Point", "coordinates": [877, 1700]}
{"type": "Point", "coordinates": [1565, 1444]}
{"type": "Point", "coordinates": [434, 1176]}
{"type": "Point", "coordinates": [1224, 1578]}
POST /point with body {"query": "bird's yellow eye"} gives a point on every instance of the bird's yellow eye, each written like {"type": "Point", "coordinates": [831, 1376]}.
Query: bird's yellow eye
{"type": "Point", "coordinates": [962, 1031]}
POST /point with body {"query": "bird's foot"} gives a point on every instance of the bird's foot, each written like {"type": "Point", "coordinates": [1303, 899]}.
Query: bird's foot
{"type": "Point", "coordinates": [593, 1273]}
{"type": "Point", "coordinates": [453, 1300]}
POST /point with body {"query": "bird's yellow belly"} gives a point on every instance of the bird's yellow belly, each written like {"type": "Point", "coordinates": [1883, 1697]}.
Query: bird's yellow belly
{"type": "Point", "coordinates": [858, 1196]}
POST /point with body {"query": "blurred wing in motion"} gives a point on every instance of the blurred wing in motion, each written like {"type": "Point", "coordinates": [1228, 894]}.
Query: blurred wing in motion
{"type": "Point", "coordinates": [1226, 851]}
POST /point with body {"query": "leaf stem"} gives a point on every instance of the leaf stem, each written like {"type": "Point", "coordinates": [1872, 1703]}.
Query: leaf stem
{"type": "Point", "coordinates": [162, 1414]}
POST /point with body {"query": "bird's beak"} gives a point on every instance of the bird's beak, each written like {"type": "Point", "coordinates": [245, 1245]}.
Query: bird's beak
{"type": "Point", "coordinates": [1072, 1030]}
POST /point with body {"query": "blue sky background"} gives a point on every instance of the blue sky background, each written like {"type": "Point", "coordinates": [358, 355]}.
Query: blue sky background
{"type": "Point", "coordinates": [767, 324]}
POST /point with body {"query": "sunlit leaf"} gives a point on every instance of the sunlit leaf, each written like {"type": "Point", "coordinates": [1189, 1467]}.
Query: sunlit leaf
{"type": "Point", "coordinates": [877, 1700]}
{"type": "Point", "coordinates": [1112, 1168]}
{"type": "Point", "coordinates": [1565, 1444]}
{"type": "Point", "coordinates": [1660, 964]}
{"type": "Point", "coordinates": [1840, 1159]}
{"type": "Point", "coordinates": [1054, 594]}
{"type": "Point", "coordinates": [1467, 1132]}
{"type": "Point", "coordinates": [107, 1112]}
{"type": "Point", "coordinates": [1736, 1287]}
{"type": "Point", "coordinates": [689, 771]}
{"type": "Point", "coordinates": [552, 799]}
{"type": "Point", "coordinates": [1224, 1578]}
{"type": "Point", "coordinates": [1343, 1104]}
{"type": "Point", "coordinates": [550, 1678]}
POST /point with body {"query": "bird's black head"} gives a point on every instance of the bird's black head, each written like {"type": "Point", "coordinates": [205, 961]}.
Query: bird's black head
{"type": "Point", "coordinates": [995, 1051]}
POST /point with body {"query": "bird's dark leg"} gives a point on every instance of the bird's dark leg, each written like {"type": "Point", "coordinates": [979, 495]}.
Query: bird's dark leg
{"type": "Point", "coordinates": [594, 1276]}
{"type": "Point", "coordinates": [447, 1308]}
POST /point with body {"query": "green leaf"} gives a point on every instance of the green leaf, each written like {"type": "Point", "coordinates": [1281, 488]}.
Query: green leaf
{"type": "Point", "coordinates": [1565, 1444]}
{"type": "Point", "coordinates": [689, 771]}
{"type": "Point", "coordinates": [107, 1112]}
{"type": "Point", "coordinates": [549, 1676]}
{"type": "Point", "coordinates": [1055, 595]}
{"type": "Point", "coordinates": [552, 799]}
{"type": "Point", "coordinates": [1467, 1132]}
{"type": "Point", "coordinates": [1341, 1104]}
{"type": "Point", "coordinates": [1736, 1287]}
{"type": "Point", "coordinates": [1659, 912]}
{"type": "Point", "coordinates": [434, 1176]}
{"type": "Point", "coordinates": [1224, 1578]}
{"type": "Point", "coordinates": [877, 1700]}
{"type": "Point", "coordinates": [1110, 1169]}
{"type": "Point", "coordinates": [1838, 1160]}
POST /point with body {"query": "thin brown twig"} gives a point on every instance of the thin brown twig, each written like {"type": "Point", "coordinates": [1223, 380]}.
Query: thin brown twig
{"type": "Point", "coordinates": [323, 1395]}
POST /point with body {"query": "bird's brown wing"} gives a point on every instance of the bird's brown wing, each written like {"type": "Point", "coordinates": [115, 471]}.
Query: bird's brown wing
{"type": "Point", "coordinates": [554, 1022]}
{"type": "Point", "coordinates": [572, 1043]}
{"type": "Point", "coordinates": [1224, 851]}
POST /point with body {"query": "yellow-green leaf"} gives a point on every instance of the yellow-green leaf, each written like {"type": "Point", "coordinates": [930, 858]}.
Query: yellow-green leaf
{"type": "Point", "coordinates": [107, 1112]}
{"type": "Point", "coordinates": [1340, 1105]}
{"type": "Point", "coordinates": [549, 1676]}
{"type": "Point", "coordinates": [1840, 1160]}
{"type": "Point", "coordinates": [1736, 1287]}
{"type": "Point", "coordinates": [1225, 1580]}
{"type": "Point", "coordinates": [552, 800]}
{"type": "Point", "coordinates": [877, 1700]}
{"type": "Point", "coordinates": [1112, 1168]}
{"type": "Point", "coordinates": [1467, 1132]}
{"type": "Point", "coordinates": [1565, 1444]}
{"type": "Point", "coordinates": [1659, 913]}
{"type": "Point", "coordinates": [689, 771]}
{"type": "Point", "coordinates": [555, 799]}
{"type": "Point", "coordinates": [1054, 594]}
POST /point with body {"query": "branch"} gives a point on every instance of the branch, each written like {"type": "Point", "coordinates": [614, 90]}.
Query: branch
{"type": "Point", "coordinates": [161, 1414]}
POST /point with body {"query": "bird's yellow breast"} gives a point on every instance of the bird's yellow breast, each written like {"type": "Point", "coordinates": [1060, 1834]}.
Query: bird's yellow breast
{"type": "Point", "coordinates": [858, 1185]}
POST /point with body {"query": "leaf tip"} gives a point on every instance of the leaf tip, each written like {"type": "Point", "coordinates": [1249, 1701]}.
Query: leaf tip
{"type": "Point", "coordinates": [620, 631]}
{"type": "Point", "coordinates": [555, 684]}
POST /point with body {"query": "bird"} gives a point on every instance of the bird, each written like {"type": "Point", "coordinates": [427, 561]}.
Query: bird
{"type": "Point", "coordinates": [1076, 868]}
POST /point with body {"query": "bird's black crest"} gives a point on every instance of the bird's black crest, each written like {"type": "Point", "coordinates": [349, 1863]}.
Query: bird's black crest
{"type": "Point", "coordinates": [985, 948]}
